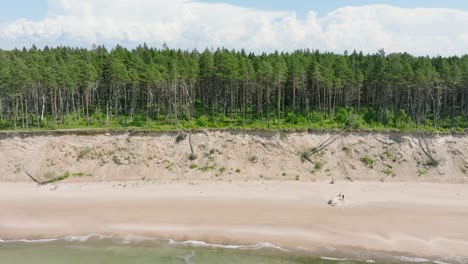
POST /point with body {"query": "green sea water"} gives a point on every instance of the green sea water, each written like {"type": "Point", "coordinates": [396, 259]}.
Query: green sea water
{"type": "Point", "coordinates": [108, 251]}
{"type": "Point", "coordinates": [60, 252]}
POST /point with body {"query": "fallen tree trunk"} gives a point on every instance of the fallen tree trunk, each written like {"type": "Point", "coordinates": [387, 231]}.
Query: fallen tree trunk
{"type": "Point", "coordinates": [40, 182]}
{"type": "Point", "coordinates": [32, 178]}
{"type": "Point", "coordinates": [432, 161]}
{"type": "Point", "coordinates": [306, 155]}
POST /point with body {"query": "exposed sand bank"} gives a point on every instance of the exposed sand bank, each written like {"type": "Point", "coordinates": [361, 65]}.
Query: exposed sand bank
{"type": "Point", "coordinates": [424, 219]}
{"type": "Point", "coordinates": [234, 155]}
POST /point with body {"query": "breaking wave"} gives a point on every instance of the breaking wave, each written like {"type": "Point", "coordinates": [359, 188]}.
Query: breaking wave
{"type": "Point", "coordinates": [196, 243]}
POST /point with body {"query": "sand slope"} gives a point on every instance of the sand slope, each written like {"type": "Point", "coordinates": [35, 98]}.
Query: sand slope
{"type": "Point", "coordinates": [234, 155]}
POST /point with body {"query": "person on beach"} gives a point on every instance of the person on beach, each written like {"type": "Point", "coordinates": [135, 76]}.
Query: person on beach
{"type": "Point", "coordinates": [341, 197]}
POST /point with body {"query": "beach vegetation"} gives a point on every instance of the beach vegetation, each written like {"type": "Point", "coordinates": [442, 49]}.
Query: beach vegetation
{"type": "Point", "coordinates": [116, 160]}
{"type": "Point", "coordinates": [62, 177]}
{"type": "Point", "coordinates": [389, 155]}
{"type": "Point", "coordinates": [83, 152]}
{"type": "Point", "coordinates": [180, 137]}
{"type": "Point", "coordinates": [347, 150]}
{"type": "Point", "coordinates": [82, 174]}
{"type": "Point", "coordinates": [207, 167]}
{"type": "Point", "coordinates": [192, 156]}
{"type": "Point", "coordinates": [389, 172]}
{"type": "Point", "coordinates": [17, 168]}
{"type": "Point", "coordinates": [253, 159]}
{"type": "Point", "coordinates": [169, 166]}
{"type": "Point", "coordinates": [368, 162]}
{"type": "Point", "coordinates": [432, 163]}
{"type": "Point", "coordinates": [318, 165]}
{"type": "Point", "coordinates": [422, 172]}
{"type": "Point", "coordinates": [48, 175]}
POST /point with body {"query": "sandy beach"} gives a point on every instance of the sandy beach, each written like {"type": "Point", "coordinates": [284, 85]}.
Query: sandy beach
{"type": "Point", "coordinates": [421, 219]}
{"type": "Point", "coordinates": [241, 187]}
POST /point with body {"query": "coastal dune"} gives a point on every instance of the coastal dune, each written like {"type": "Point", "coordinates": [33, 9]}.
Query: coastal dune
{"type": "Point", "coordinates": [234, 155]}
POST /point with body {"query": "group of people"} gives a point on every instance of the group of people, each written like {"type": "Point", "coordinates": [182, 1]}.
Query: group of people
{"type": "Point", "coordinates": [333, 203]}
{"type": "Point", "coordinates": [341, 196]}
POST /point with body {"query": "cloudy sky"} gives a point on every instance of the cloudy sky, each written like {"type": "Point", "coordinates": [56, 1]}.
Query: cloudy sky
{"type": "Point", "coordinates": [415, 26]}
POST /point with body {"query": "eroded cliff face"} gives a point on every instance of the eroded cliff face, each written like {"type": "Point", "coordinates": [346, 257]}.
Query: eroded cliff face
{"type": "Point", "coordinates": [234, 155]}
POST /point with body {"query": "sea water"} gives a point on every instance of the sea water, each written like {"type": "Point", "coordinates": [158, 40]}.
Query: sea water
{"type": "Point", "coordinates": [112, 252]}
{"type": "Point", "coordinates": [107, 250]}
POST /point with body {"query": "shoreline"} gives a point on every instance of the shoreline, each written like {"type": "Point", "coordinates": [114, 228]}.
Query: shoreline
{"type": "Point", "coordinates": [324, 253]}
{"type": "Point", "coordinates": [387, 217]}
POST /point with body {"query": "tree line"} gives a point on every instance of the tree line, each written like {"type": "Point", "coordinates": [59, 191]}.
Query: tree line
{"type": "Point", "coordinates": [66, 87]}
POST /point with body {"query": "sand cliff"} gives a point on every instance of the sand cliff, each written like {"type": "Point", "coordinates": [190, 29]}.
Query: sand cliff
{"type": "Point", "coordinates": [234, 155]}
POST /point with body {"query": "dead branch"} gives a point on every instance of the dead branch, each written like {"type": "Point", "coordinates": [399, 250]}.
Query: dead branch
{"type": "Point", "coordinates": [37, 181]}
{"type": "Point", "coordinates": [190, 142]}
{"type": "Point", "coordinates": [328, 142]}
{"type": "Point", "coordinates": [306, 155]}
{"type": "Point", "coordinates": [297, 153]}
{"type": "Point", "coordinates": [425, 148]}
{"type": "Point", "coordinates": [34, 179]}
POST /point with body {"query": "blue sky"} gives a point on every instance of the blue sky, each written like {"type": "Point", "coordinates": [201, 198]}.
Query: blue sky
{"type": "Point", "coordinates": [438, 28]}
{"type": "Point", "coordinates": [324, 6]}
{"type": "Point", "coordinates": [16, 9]}
{"type": "Point", "coordinates": [37, 9]}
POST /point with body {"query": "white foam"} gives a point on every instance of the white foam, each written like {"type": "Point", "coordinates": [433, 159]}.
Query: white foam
{"type": "Point", "coordinates": [84, 238]}
{"type": "Point", "coordinates": [67, 238]}
{"type": "Point", "coordinates": [369, 261]}
{"type": "Point", "coordinates": [196, 243]}
{"type": "Point", "coordinates": [76, 238]}
{"type": "Point", "coordinates": [456, 259]}
{"type": "Point", "coordinates": [28, 240]}
{"type": "Point", "coordinates": [132, 238]}
{"type": "Point", "coordinates": [330, 258]}
{"type": "Point", "coordinates": [439, 262]}
{"type": "Point", "coordinates": [410, 259]}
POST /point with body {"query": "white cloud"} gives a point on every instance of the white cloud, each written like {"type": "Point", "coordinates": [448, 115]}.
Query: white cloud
{"type": "Point", "coordinates": [189, 24]}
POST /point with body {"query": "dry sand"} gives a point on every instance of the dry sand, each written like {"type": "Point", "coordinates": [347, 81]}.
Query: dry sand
{"type": "Point", "coordinates": [234, 155]}
{"type": "Point", "coordinates": [424, 219]}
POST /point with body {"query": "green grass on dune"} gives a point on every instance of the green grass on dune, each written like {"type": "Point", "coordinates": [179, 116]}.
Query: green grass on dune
{"type": "Point", "coordinates": [314, 120]}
